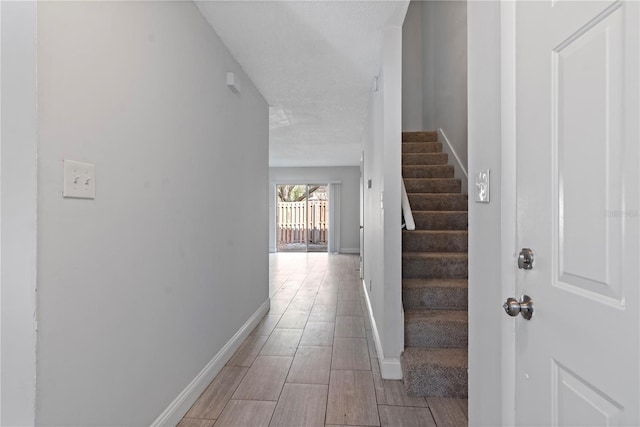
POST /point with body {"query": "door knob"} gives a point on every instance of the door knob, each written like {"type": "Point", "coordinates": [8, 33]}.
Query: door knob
{"type": "Point", "coordinates": [525, 307]}
{"type": "Point", "coordinates": [525, 259]}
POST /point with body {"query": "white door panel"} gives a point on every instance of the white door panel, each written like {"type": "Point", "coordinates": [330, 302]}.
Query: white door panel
{"type": "Point", "coordinates": [577, 185]}
{"type": "Point", "coordinates": [586, 129]}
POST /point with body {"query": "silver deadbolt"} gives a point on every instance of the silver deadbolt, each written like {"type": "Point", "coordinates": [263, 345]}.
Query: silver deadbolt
{"type": "Point", "coordinates": [525, 307]}
{"type": "Point", "coordinates": [526, 259]}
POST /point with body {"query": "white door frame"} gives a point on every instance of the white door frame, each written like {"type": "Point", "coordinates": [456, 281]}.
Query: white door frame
{"type": "Point", "coordinates": [361, 228]}
{"type": "Point", "coordinates": [491, 278]}
{"type": "Point", "coordinates": [0, 214]}
{"type": "Point", "coordinates": [335, 189]}
{"type": "Point", "coordinates": [18, 210]}
{"type": "Point", "coordinates": [334, 209]}
{"type": "Point", "coordinates": [508, 208]}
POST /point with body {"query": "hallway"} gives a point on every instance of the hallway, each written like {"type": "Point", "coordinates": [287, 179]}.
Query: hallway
{"type": "Point", "coordinates": [312, 360]}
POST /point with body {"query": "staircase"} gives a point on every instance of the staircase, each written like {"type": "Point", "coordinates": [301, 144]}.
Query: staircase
{"type": "Point", "coordinates": [434, 272]}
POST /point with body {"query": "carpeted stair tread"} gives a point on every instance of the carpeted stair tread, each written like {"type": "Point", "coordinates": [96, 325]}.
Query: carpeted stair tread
{"type": "Point", "coordinates": [427, 171]}
{"type": "Point", "coordinates": [438, 201]}
{"type": "Point", "coordinates": [421, 147]}
{"type": "Point", "coordinates": [425, 159]}
{"type": "Point", "coordinates": [435, 328]}
{"type": "Point", "coordinates": [434, 265]}
{"type": "Point", "coordinates": [433, 185]}
{"type": "Point", "coordinates": [441, 220]}
{"type": "Point", "coordinates": [429, 283]}
{"type": "Point", "coordinates": [435, 372]}
{"type": "Point", "coordinates": [430, 136]}
{"type": "Point", "coordinates": [435, 241]}
{"type": "Point", "coordinates": [435, 294]}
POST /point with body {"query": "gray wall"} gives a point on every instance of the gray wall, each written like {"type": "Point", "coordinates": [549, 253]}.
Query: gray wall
{"type": "Point", "coordinates": [412, 47]}
{"type": "Point", "coordinates": [382, 220]}
{"type": "Point", "coordinates": [434, 70]}
{"type": "Point", "coordinates": [373, 247]}
{"type": "Point", "coordinates": [349, 199]}
{"type": "Point", "coordinates": [140, 288]}
{"type": "Point", "coordinates": [444, 56]}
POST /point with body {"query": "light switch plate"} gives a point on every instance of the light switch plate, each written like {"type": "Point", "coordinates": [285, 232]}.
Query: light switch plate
{"type": "Point", "coordinates": [79, 180]}
{"type": "Point", "coordinates": [482, 186]}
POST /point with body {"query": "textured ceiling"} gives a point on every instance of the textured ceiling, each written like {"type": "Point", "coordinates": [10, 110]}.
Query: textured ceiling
{"type": "Point", "coordinates": [314, 62]}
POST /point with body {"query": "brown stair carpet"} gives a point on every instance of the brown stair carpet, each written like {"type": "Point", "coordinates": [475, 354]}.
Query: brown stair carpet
{"type": "Point", "coordinates": [434, 272]}
{"type": "Point", "coordinates": [430, 171]}
{"type": "Point", "coordinates": [427, 159]}
{"type": "Point", "coordinates": [422, 147]}
{"type": "Point", "coordinates": [432, 185]}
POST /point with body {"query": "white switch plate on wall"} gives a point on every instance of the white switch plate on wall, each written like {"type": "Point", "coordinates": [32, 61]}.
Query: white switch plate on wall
{"type": "Point", "coordinates": [79, 180]}
{"type": "Point", "coordinates": [482, 186]}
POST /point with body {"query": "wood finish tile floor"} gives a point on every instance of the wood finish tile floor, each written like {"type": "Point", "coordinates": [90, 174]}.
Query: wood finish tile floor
{"type": "Point", "coordinates": [312, 361]}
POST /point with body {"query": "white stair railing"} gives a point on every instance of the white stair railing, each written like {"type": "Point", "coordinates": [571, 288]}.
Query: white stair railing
{"type": "Point", "coordinates": [406, 209]}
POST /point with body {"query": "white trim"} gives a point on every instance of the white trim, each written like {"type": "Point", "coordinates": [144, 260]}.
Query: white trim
{"type": "Point", "coordinates": [390, 368]}
{"type": "Point", "coordinates": [334, 217]}
{"type": "Point", "coordinates": [460, 169]}
{"type": "Point", "coordinates": [390, 295]}
{"type": "Point", "coordinates": [349, 250]}
{"type": "Point", "coordinates": [508, 196]}
{"type": "Point", "coordinates": [19, 240]}
{"type": "Point", "coordinates": [334, 211]}
{"type": "Point", "coordinates": [453, 151]}
{"type": "Point", "coordinates": [1, 216]}
{"type": "Point", "coordinates": [181, 404]}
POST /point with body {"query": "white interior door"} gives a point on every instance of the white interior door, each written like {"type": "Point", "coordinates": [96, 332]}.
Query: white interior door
{"type": "Point", "coordinates": [577, 359]}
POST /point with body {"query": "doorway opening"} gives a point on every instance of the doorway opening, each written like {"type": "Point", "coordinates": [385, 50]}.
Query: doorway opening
{"type": "Point", "coordinates": [302, 217]}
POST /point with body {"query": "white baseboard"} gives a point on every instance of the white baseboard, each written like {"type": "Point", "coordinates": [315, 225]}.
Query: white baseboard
{"type": "Point", "coordinates": [390, 368]}
{"type": "Point", "coordinates": [349, 250]}
{"type": "Point", "coordinates": [459, 168]}
{"type": "Point", "coordinates": [181, 404]}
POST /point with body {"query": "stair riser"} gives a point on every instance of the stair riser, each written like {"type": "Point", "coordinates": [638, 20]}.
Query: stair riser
{"type": "Point", "coordinates": [434, 268]}
{"type": "Point", "coordinates": [430, 334]}
{"type": "Point", "coordinates": [419, 136]}
{"type": "Point", "coordinates": [433, 185]}
{"type": "Point", "coordinates": [436, 381]}
{"type": "Point", "coordinates": [438, 202]}
{"type": "Point", "coordinates": [433, 171]}
{"type": "Point", "coordinates": [434, 242]}
{"type": "Point", "coordinates": [421, 147]}
{"type": "Point", "coordinates": [441, 220]}
{"type": "Point", "coordinates": [425, 159]}
{"type": "Point", "coordinates": [435, 299]}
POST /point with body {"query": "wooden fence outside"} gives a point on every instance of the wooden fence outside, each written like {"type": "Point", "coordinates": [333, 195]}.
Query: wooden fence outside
{"type": "Point", "coordinates": [291, 221]}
